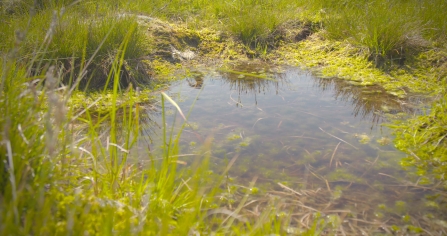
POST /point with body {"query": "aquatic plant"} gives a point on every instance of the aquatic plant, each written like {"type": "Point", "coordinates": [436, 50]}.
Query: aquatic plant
{"type": "Point", "coordinates": [423, 138]}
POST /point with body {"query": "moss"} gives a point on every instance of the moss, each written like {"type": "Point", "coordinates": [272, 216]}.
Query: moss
{"type": "Point", "coordinates": [379, 215]}
{"type": "Point", "coordinates": [100, 102]}
{"type": "Point", "coordinates": [245, 142]}
{"type": "Point", "coordinates": [383, 141]}
{"type": "Point", "coordinates": [337, 193]}
{"type": "Point", "coordinates": [164, 70]}
{"type": "Point", "coordinates": [334, 221]}
{"type": "Point", "coordinates": [432, 204]}
{"type": "Point", "coordinates": [406, 218]}
{"type": "Point", "coordinates": [232, 137]}
{"type": "Point", "coordinates": [423, 138]}
{"type": "Point", "coordinates": [400, 206]}
{"type": "Point", "coordinates": [192, 125]}
{"type": "Point", "coordinates": [254, 190]}
{"type": "Point", "coordinates": [395, 228]}
{"type": "Point", "coordinates": [327, 59]}
{"type": "Point", "coordinates": [415, 229]}
{"type": "Point", "coordinates": [363, 138]}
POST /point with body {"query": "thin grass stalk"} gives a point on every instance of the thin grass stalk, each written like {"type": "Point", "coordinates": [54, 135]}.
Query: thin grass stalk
{"type": "Point", "coordinates": [116, 71]}
{"type": "Point", "coordinates": [131, 134]}
{"type": "Point", "coordinates": [13, 181]}
{"type": "Point", "coordinates": [45, 44]}
{"type": "Point", "coordinates": [163, 112]}
{"type": "Point", "coordinates": [241, 204]}
{"type": "Point", "coordinates": [84, 66]}
{"type": "Point", "coordinates": [164, 177]}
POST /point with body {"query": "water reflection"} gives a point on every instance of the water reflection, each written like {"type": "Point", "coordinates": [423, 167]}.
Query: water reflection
{"type": "Point", "coordinates": [149, 124]}
{"type": "Point", "coordinates": [252, 79]}
{"type": "Point", "coordinates": [311, 135]}
{"type": "Point", "coordinates": [196, 81]}
{"type": "Point", "coordinates": [369, 103]}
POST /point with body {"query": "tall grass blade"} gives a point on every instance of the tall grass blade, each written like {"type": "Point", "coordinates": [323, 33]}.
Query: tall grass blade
{"type": "Point", "coordinates": [174, 104]}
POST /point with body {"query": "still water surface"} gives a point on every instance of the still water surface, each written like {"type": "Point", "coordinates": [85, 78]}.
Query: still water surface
{"type": "Point", "coordinates": [323, 138]}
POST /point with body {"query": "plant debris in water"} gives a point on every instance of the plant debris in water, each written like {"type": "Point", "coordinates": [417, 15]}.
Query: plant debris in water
{"type": "Point", "coordinates": [316, 173]}
{"type": "Point", "coordinates": [67, 160]}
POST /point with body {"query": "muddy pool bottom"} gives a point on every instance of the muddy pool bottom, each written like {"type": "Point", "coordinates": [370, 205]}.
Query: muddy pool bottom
{"type": "Point", "coordinates": [315, 145]}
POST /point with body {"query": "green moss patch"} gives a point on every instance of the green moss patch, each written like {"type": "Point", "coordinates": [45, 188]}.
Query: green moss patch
{"type": "Point", "coordinates": [328, 59]}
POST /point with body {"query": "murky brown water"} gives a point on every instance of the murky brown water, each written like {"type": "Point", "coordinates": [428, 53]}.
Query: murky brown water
{"type": "Point", "coordinates": [322, 138]}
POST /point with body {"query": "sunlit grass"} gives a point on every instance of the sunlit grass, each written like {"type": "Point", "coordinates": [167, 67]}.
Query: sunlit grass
{"type": "Point", "coordinates": [69, 37]}
{"type": "Point", "coordinates": [390, 30]}
{"type": "Point", "coordinates": [58, 179]}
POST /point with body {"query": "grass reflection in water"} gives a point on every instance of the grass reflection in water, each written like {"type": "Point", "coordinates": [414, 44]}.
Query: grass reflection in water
{"type": "Point", "coordinates": [315, 145]}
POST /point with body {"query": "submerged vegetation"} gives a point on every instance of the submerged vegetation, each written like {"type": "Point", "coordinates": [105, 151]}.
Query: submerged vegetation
{"type": "Point", "coordinates": [71, 71]}
{"type": "Point", "coordinates": [423, 138]}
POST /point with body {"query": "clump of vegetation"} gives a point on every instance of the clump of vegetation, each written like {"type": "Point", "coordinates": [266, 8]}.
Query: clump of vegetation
{"type": "Point", "coordinates": [82, 43]}
{"type": "Point", "coordinates": [256, 23]}
{"type": "Point", "coordinates": [423, 138]}
{"type": "Point", "coordinates": [55, 181]}
{"type": "Point", "coordinates": [376, 26]}
{"type": "Point", "coordinates": [390, 31]}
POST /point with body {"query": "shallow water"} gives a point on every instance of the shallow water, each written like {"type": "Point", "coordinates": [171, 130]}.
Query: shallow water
{"type": "Point", "coordinates": [322, 138]}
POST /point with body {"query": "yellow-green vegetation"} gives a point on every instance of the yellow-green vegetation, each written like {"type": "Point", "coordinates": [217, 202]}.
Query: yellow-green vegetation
{"type": "Point", "coordinates": [333, 59]}
{"type": "Point", "coordinates": [383, 141]}
{"type": "Point", "coordinates": [363, 138]}
{"type": "Point", "coordinates": [233, 136]}
{"type": "Point", "coordinates": [80, 40]}
{"type": "Point", "coordinates": [424, 139]}
{"type": "Point", "coordinates": [100, 102]}
{"type": "Point", "coordinates": [54, 182]}
{"type": "Point", "coordinates": [245, 142]}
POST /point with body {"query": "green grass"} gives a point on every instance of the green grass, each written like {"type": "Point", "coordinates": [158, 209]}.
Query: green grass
{"type": "Point", "coordinates": [63, 172]}
{"type": "Point", "coordinates": [77, 40]}
{"type": "Point", "coordinates": [390, 30]}
{"type": "Point", "coordinates": [253, 22]}
{"type": "Point", "coordinates": [423, 138]}
{"type": "Point", "coordinates": [55, 181]}
{"type": "Point", "coordinates": [376, 26]}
